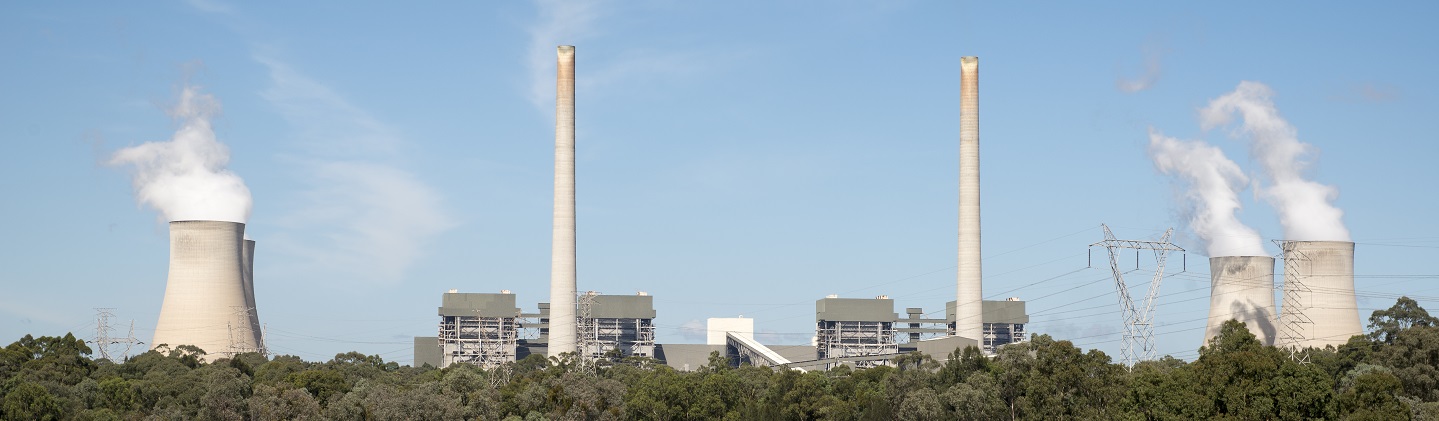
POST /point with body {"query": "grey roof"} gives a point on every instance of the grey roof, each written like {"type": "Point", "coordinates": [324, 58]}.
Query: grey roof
{"type": "Point", "coordinates": [623, 307]}
{"type": "Point", "coordinates": [855, 310]}
{"type": "Point", "coordinates": [1004, 311]}
{"type": "Point", "coordinates": [478, 304]}
{"type": "Point", "coordinates": [686, 356]}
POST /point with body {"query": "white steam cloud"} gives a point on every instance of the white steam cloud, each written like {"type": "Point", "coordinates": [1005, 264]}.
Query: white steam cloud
{"type": "Point", "coordinates": [1212, 196]}
{"type": "Point", "coordinates": [185, 178]}
{"type": "Point", "coordinates": [1305, 208]}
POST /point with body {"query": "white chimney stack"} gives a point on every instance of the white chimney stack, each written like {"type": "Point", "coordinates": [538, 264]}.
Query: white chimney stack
{"type": "Point", "coordinates": [967, 311]}
{"type": "Point", "coordinates": [562, 334]}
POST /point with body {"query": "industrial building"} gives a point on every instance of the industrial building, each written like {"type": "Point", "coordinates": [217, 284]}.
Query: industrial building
{"type": "Point", "coordinates": [209, 293]}
{"type": "Point", "coordinates": [488, 329]}
{"type": "Point", "coordinates": [476, 328]}
{"type": "Point", "coordinates": [623, 323]}
{"type": "Point", "coordinates": [855, 327]}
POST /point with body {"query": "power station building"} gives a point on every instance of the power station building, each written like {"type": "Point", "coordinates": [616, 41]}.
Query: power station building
{"type": "Point", "coordinates": [616, 323]}
{"type": "Point", "coordinates": [476, 328]}
{"type": "Point", "coordinates": [488, 330]}
{"type": "Point", "coordinates": [855, 327]}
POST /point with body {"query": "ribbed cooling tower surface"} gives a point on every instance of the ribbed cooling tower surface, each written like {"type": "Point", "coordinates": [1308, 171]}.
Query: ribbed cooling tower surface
{"type": "Point", "coordinates": [247, 267]}
{"type": "Point", "coordinates": [1319, 286]}
{"type": "Point", "coordinates": [205, 294]}
{"type": "Point", "coordinates": [1242, 288]}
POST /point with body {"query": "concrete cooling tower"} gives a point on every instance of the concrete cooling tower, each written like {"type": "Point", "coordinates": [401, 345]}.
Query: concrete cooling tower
{"type": "Point", "coordinates": [1242, 288]}
{"type": "Point", "coordinates": [1319, 305]}
{"type": "Point", "coordinates": [205, 296]}
{"type": "Point", "coordinates": [247, 268]}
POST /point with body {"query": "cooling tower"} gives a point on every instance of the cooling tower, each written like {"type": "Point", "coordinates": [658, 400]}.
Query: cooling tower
{"type": "Point", "coordinates": [562, 248]}
{"type": "Point", "coordinates": [247, 274]}
{"type": "Point", "coordinates": [1242, 288]}
{"type": "Point", "coordinates": [1319, 285]}
{"type": "Point", "coordinates": [205, 303]}
{"type": "Point", "coordinates": [968, 302]}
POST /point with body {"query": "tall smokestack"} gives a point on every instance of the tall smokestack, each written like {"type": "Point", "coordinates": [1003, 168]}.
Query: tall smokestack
{"type": "Point", "coordinates": [1242, 288]}
{"type": "Point", "coordinates": [247, 275]}
{"type": "Point", "coordinates": [1319, 304]}
{"type": "Point", "coordinates": [205, 293]}
{"type": "Point", "coordinates": [562, 252]}
{"type": "Point", "coordinates": [967, 319]}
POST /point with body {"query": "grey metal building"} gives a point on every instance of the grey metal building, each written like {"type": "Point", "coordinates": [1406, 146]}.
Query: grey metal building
{"type": "Point", "coordinates": [1002, 323]}
{"type": "Point", "coordinates": [855, 327]}
{"type": "Point", "coordinates": [477, 328]}
{"type": "Point", "coordinates": [616, 322]}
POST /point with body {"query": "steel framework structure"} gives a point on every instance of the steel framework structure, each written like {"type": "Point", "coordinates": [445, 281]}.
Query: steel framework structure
{"type": "Point", "coordinates": [600, 335]}
{"type": "Point", "coordinates": [103, 341]}
{"type": "Point", "coordinates": [1138, 321]}
{"type": "Point", "coordinates": [999, 334]}
{"type": "Point", "coordinates": [487, 342]}
{"type": "Point", "coordinates": [1293, 313]}
{"type": "Point", "coordinates": [242, 337]}
{"type": "Point", "coordinates": [839, 339]}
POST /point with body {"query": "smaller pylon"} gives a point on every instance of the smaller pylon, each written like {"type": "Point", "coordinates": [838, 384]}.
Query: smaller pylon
{"type": "Point", "coordinates": [103, 341]}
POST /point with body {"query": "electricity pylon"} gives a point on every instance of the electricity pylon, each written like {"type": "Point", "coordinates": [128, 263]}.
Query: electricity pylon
{"type": "Point", "coordinates": [1138, 321]}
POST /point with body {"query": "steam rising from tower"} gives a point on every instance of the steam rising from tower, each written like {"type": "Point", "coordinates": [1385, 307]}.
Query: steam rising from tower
{"type": "Point", "coordinates": [186, 177]}
{"type": "Point", "coordinates": [1304, 205]}
{"type": "Point", "coordinates": [968, 310]}
{"type": "Point", "coordinates": [562, 252]}
{"type": "Point", "coordinates": [1213, 183]}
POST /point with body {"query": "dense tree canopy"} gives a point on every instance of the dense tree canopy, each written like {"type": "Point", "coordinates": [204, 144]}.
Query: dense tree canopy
{"type": "Point", "coordinates": [1388, 374]}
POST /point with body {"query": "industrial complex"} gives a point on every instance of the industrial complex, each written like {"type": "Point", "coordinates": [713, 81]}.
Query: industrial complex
{"type": "Point", "coordinates": [210, 301]}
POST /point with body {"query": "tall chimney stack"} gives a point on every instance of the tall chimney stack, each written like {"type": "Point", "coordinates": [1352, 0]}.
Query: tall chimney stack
{"type": "Point", "coordinates": [967, 316]}
{"type": "Point", "coordinates": [562, 252]}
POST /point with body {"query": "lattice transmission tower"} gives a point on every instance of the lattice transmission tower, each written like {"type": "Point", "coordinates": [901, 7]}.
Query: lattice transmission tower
{"type": "Point", "coordinates": [1293, 317]}
{"type": "Point", "coordinates": [1138, 320]}
{"type": "Point", "coordinates": [103, 341]}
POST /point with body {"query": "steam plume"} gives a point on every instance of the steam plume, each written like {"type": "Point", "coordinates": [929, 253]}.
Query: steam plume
{"type": "Point", "coordinates": [1213, 183]}
{"type": "Point", "coordinates": [1304, 206]}
{"type": "Point", "coordinates": [185, 177]}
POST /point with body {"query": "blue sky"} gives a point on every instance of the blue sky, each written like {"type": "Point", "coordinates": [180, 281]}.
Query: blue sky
{"type": "Point", "coordinates": [733, 158]}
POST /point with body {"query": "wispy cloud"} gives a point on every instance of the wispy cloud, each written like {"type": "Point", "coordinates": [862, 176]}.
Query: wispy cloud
{"type": "Point", "coordinates": [360, 212]}
{"type": "Point", "coordinates": [1369, 92]}
{"type": "Point", "coordinates": [1153, 69]}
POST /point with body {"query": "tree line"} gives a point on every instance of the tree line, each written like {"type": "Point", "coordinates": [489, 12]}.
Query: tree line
{"type": "Point", "coordinates": [1388, 374]}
